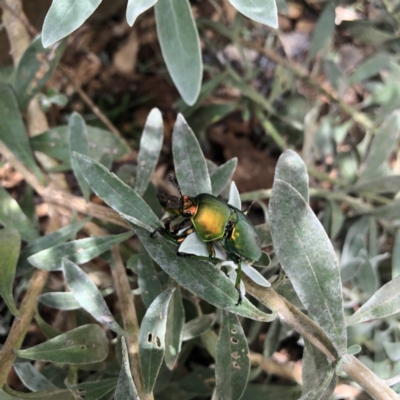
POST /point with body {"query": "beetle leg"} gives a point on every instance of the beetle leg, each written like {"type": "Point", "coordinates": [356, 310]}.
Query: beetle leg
{"type": "Point", "coordinates": [159, 229]}
{"type": "Point", "coordinates": [181, 238]}
{"type": "Point", "coordinates": [211, 250]}
{"type": "Point", "coordinates": [238, 279]}
{"type": "Point", "coordinates": [167, 221]}
{"type": "Point", "coordinates": [180, 226]}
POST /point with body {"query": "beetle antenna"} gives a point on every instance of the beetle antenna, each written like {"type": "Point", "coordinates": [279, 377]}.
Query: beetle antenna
{"type": "Point", "coordinates": [248, 208]}
{"type": "Point", "coordinates": [175, 183]}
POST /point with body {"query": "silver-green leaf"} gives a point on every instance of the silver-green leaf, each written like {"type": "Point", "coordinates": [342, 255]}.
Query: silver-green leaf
{"type": "Point", "coordinates": [137, 7]}
{"type": "Point", "coordinates": [12, 130]}
{"type": "Point", "coordinates": [114, 192]}
{"type": "Point", "coordinates": [88, 296]}
{"type": "Point", "coordinates": [385, 302]}
{"type": "Point", "coordinates": [180, 46]}
{"type": "Point", "coordinates": [60, 300]}
{"type": "Point", "coordinates": [78, 142]}
{"type": "Point", "coordinates": [83, 345]}
{"type": "Point", "coordinates": [175, 321]}
{"type": "Point", "coordinates": [10, 244]}
{"type": "Point", "coordinates": [262, 11]}
{"type": "Point", "coordinates": [64, 17]}
{"type": "Point", "coordinates": [291, 169]}
{"type": "Point", "coordinates": [152, 339]}
{"type": "Point", "coordinates": [232, 365]}
{"type": "Point", "coordinates": [150, 147]}
{"type": "Point", "coordinates": [307, 256]}
{"type": "Point", "coordinates": [222, 175]}
{"type": "Point", "coordinates": [35, 69]}
{"type": "Point", "coordinates": [190, 165]}
{"type": "Point", "coordinates": [78, 251]}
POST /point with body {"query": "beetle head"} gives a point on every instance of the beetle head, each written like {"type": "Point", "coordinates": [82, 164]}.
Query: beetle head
{"type": "Point", "coordinates": [169, 203]}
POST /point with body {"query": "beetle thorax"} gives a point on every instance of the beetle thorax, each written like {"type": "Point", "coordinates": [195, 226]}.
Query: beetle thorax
{"type": "Point", "coordinates": [189, 206]}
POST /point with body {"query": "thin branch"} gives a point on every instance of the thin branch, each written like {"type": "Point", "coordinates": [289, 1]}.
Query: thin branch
{"type": "Point", "coordinates": [371, 383]}
{"type": "Point", "coordinates": [129, 317]}
{"type": "Point", "coordinates": [96, 110]}
{"type": "Point", "coordinates": [303, 74]}
{"type": "Point", "coordinates": [21, 324]}
{"type": "Point", "coordinates": [78, 204]}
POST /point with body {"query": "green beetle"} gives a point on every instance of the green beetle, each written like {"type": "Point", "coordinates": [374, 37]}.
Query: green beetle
{"type": "Point", "coordinates": [213, 220]}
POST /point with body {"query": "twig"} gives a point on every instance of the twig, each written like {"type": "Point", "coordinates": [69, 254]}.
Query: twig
{"type": "Point", "coordinates": [20, 326]}
{"type": "Point", "coordinates": [274, 368]}
{"type": "Point", "coordinates": [78, 204]}
{"type": "Point", "coordinates": [371, 383]}
{"type": "Point", "coordinates": [302, 73]}
{"type": "Point", "coordinates": [89, 102]}
{"type": "Point", "coordinates": [129, 317]}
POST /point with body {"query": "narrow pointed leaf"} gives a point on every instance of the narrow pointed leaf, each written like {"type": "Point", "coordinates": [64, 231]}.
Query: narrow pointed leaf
{"type": "Point", "coordinates": [323, 31]}
{"type": "Point", "coordinates": [382, 184]}
{"type": "Point", "coordinates": [262, 11]}
{"type": "Point", "coordinates": [152, 339]}
{"type": "Point", "coordinates": [64, 17]}
{"type": "Point", "coordinates": [180, 46]}
{"type": "Point", "coordinates": [199, 277]}
{"type": "Point", "coordinates": [88, 296]}
{"type": "Point", "coordinates": [83, 345]}
{"type": "Point", "coordinates": [137, 7]}
{"type": "Point", "coordinates": [115, 193]}
{"type": "Point", "coordinates": [234, 196]}
{"type": "Point", "coordinates": [385, 302]}
{"type": "Point", "coordinates": [35, 68]}
{"type": "Point", "coordinates": [102, 144]}
{"type": "Point", "coordinates": [93, 390]}
{"type": "Point", "coordinates": [60, 300]}
{"type": "Point", "coordinates": [291, 169]}
{"type": "Point", "coordinates": [126, 388]}
{"type": "Point", "coordinates": [222, 175]}
{"type": "Point", "coordinates": [232, 366]}
{"type": "Point", "coordinates": [175, 321]}
{"type": "Point", "coordinates": [10, 244]}
{"type": "Point", "coordinates": [197, 326]}
{"type": "Point", "coordinates": [78, 142]}
{"type": "Point", "coordinates": [190, 165]}
{"type": "Point", "coordinates": [307, 256]}
{"type": "Point", "coordinates": [53, 239]}
{"type": "Point", "coordinates": [11, 215]}
{"type": "Point", "coordinates": [78, 251]}
{"type": "Point", "coordinates": [32, 378]}
{"type": "Point", "coordinates": [12, 130]}
{"type": "Point", "coordinates": [150, 147]}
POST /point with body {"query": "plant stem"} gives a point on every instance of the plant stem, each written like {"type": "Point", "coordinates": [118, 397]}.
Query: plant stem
{"type": "Point", "coordinates": [129, 317]}
{"type": "Point", "coordinates": [371, 383]}
{"type": "Point", "coordinates": [20, 326]}
{"type": "Point", "coordinates": [303, 74]}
